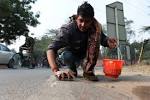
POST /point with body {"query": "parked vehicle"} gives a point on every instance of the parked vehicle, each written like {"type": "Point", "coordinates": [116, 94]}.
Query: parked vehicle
{"type": "Point", "coordinates": [27, 59]}
{"type": "Point", "coordinates": [8, 57]}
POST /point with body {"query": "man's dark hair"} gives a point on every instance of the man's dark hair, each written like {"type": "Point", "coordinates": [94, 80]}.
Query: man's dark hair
{"type": "Point", "coordinates": [26, 34]}
{"type": "Point", "coordinates": [85, 10]}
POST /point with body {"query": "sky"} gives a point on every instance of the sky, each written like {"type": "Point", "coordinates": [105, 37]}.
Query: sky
{"type": "Point", "coordinates": [54, 13]}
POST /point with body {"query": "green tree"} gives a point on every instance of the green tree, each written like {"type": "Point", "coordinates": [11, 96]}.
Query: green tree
{"type": "Point", "coordinates": [146, 28]}
{"type": "Point", "coordinates": [4, 8]}
{"type": "Point", "coordinates": [16, 22]}
{"type": "Point", "coordinates": [52, 32]}
{"type": "Point", "coordinates": [145, 54]}
{"type": "Point", "coordinates": [129, 31]}
{"type": "Point", "coordinates": [41, 46]}
{"type": "Point", "coordinates": [145, 51]}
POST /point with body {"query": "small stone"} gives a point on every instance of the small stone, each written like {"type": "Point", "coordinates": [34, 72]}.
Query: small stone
{"type": "Point", "coordinates": [112, 86]}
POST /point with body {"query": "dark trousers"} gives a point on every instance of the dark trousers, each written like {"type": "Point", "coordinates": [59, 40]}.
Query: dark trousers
{"type": "Point", "coordinates": [70, 60]}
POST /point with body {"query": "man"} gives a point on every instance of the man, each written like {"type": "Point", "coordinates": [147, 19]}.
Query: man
{"type": "Point", "coordinates": [80, 41]}
{"type": "Point", "coordinates": [28, 45]}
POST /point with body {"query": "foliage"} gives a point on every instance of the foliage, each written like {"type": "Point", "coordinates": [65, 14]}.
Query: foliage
{"type": "Point", "coordinates": [16, 22]}
{"type": "Point", "coordinates": [130, 32]}
{"type": "Point", "coordinates": [4, 8]}
{"type": "Point", "coordinates": [146, 28]}
{"type": "Point", "coordinates": [52, 32]}
{"type": "Point", "coordinates": [146, 55]}
{"type": "Point", "coordinates": [146, 50]}
{"type": "Point", "coordinates": [41, 45]}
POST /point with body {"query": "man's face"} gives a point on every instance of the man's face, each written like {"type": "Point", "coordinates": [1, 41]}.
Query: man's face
{"type": "Point", "coordinates": [83, 23]}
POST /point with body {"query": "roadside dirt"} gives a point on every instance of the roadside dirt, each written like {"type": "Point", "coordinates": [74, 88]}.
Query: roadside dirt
{"type": "Point", "coordinates": [140, 89]}
{"type": "Point", "coordinates": [134, 82]}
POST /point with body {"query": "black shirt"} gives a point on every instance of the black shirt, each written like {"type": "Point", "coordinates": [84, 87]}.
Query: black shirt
{"type": "Point", "coordinates": [72, 39]}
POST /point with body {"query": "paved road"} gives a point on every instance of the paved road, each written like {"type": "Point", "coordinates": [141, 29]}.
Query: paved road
{"type": "Point", "coordinates": [39, 84]}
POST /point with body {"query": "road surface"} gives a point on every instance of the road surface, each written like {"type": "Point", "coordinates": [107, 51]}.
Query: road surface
{"type": "Point", "coordinates": [40, 84]}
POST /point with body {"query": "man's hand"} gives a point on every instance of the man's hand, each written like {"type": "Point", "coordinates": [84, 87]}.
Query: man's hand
{"type": "Point", "coordinates": [65, 75]}
{"type": "Point", "coordinates": [112, 43]}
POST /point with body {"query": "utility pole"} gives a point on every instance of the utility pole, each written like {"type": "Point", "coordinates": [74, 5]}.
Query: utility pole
{"type": "Point", "coordinates": [117, 33]}
{"type": "Point", "coordinates": [142, 49]}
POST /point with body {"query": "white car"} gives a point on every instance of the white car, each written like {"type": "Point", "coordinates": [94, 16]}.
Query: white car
{"type": "Point", "coordinates": [8, 57]}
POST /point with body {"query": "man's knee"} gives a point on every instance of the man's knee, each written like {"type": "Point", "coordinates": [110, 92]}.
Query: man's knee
{"type": "Point", "coordinates": [67, 56]}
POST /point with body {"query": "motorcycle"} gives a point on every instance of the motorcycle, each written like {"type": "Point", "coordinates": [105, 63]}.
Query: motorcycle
{"type": "Point", "coordinates": [27, 59]}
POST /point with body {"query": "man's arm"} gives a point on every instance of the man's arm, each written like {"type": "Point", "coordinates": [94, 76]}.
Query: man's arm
{"type": "Point", "coordinates": [108, 41]}
{"type": "Point", "coordinates": [62, 40]}
{"type": "Point", "coordinates": [104, 39]}
{"type": "Point", "coordinates": [59, 74]}
{"type": "Point", "coordinates": [51, 56]}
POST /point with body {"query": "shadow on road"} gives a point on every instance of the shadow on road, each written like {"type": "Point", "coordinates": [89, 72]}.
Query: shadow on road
{"type": "Point", "coordinates": [131, 78]}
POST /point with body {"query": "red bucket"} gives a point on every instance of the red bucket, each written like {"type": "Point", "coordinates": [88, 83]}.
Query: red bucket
{"type": "Point", "coordinates": [112, 67]}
